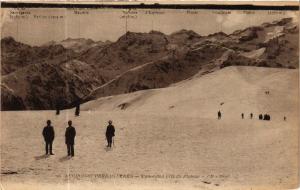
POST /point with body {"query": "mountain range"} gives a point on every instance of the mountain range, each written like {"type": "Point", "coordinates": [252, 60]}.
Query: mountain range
{"type": "Point", "coordinates": [41, 77]}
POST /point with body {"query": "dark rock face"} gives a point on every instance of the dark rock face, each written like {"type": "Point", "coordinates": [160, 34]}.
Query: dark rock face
{"type": "Point", "coordinates": [16, 55]}
{"type": "Point", "coordinates": [39, 77]}
{"type": "Point", "coordinates": [40, 86]}
{"type": "Point", "coordinates": [12, 102]}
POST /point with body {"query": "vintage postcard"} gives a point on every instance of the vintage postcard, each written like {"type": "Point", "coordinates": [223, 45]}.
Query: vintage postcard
{"type": "Point", "coordinates": [149, 96]}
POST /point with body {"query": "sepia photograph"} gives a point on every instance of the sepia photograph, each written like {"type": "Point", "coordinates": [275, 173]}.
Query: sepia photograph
{"type": "Point", "coordinates": [149, 97]}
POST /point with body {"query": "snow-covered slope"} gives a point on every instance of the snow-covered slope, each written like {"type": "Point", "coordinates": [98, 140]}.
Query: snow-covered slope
{"type": "Point", "coordinates": [169, 131]}
{"type": "Point", "coordinates": [239, 89]}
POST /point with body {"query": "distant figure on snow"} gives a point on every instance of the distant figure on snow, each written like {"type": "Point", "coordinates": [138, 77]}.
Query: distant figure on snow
{"type": "Point", "coordinates": [251, 115]}
{"type": "Point", "coordinates": [284, 118]}
{"type": "Point", "coordinates": [70, 138]}
{"type": "Point", "coordinates": [57, 107]}
{"type": "Point", "coordinates": [242, 115]}
{"type": "Point", "coordinates": [267, 117]}
{"type": "Point", "coordinates": [260, 117]}
{"type": "Point", "coordinates": [219, 114]}
{"type": "Point", "coordinates": [48, 134]}
{"type": "Point", "coordinates": [77, 109]}
{"type": "Point", "coordinates": [110, 133]}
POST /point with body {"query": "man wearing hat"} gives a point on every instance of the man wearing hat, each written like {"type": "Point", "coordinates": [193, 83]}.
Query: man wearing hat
{"type": "Point", "coordinates": [110, 133]}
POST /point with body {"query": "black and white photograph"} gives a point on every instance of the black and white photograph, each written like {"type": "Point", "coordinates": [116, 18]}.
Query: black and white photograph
{"type": "Point", "coordinates": [165, 97]}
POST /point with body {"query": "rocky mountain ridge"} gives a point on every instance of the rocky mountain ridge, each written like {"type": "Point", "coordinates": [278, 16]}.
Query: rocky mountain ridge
{"type": "Point", "coordinates": [81, 69]}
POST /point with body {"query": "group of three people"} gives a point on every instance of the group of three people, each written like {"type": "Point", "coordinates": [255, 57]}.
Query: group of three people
{"type": "Point", "coordinates": [49, 134]}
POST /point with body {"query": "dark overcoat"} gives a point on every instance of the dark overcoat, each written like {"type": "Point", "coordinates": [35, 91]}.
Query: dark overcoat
{"type": "Point", "coordinates": [70, 135]}
{"type": "Point", "coordinates": [48, 133]}
{"type": "Point", "coordinates": [110, 131]}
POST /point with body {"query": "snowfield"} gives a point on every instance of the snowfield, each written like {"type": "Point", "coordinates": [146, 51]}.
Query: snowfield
{"type": "Point", "coordinates": [166, 138]}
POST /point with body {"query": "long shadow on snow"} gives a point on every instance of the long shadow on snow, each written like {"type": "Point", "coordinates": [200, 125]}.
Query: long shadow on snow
{"type": "Point", "coordinates": [44, 156]}
{"type": "Point", "coordinates": [65, 158]}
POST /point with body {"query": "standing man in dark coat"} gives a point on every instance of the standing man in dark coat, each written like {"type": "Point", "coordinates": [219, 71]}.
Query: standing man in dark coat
{"type": "Point", "coordinates": [110, 133]}
{"type": "Point", "coordinates": [70, 136]}
{"type": "Point", "coordinates": [48, 134]}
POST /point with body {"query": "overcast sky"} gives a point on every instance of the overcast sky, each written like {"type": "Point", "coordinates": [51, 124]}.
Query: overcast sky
{"type": "Point", "coordinates": [107, 24]}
